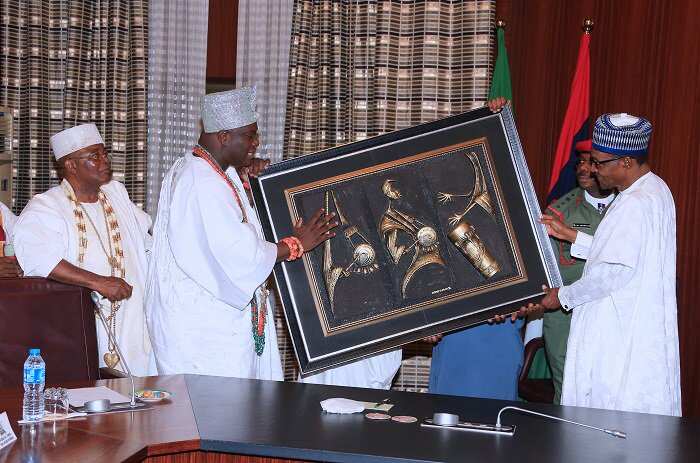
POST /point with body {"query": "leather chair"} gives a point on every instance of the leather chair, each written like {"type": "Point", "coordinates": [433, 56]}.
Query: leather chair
{"type": "Point", "coordinates": [534, 390]}
{"type": "Point", "coordinates": [55, 317]}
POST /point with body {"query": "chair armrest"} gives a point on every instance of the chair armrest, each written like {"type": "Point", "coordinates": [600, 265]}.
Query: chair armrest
{"type": "Point", "coordinates": [531, 349]}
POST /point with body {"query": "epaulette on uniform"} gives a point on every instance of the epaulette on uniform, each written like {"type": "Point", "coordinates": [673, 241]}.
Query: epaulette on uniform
{"type": "Point", "coordinates": [563, 202]}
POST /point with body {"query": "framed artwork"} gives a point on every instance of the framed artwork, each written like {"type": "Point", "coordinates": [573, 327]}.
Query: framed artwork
{"type": "Point", "coordinates": [438, 231]}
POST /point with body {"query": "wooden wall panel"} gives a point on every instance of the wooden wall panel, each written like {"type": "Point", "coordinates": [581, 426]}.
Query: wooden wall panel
{"type": "Point", "coordinates": [645, 61]}
{"type": "Point", "coordinates": [221, 41]}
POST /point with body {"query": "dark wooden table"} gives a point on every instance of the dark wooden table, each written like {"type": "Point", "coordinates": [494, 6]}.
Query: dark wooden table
{"type": "Point", "coordinates": [212, 419]}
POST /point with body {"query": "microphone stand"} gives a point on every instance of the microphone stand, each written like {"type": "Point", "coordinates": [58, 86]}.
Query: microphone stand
{"type": "Point", "coordinates": [98, 310]}
{"type": "Point", "coordinates": [612, 432]}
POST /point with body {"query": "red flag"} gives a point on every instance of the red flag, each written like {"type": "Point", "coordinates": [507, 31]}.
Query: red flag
{"type": "Point", "coordinates": [575, 126]}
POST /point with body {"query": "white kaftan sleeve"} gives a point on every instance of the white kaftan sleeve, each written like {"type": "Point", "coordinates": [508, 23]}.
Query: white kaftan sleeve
{"type": "Point", "coordinates": [581, 246]}
{"type": "Point", "coordinates": [40, 238]}
{"type": "Point", "coordinates": [602, 280]}
{"type": "Point", "coordinates": [212, 245]}
{"type": "Point", "coordinates": [613, 255]}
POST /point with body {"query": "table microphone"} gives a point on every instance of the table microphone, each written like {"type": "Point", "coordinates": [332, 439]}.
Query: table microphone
{"type": "Point", "coordinates": [98, 310]}
{"type": "Point", "coordinates": [612, 432]}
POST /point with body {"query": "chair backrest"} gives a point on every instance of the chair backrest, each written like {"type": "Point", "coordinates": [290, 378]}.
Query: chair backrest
{"type": "Point", "coordinates": [55, 317]}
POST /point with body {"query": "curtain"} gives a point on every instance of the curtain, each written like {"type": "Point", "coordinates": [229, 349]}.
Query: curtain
{"type": "Point", "coordinates": [177, 63]}
{"type": "Point", "coordinates": [64, 63]}
{"type": "Point", "coordinates": [361, 69]}
{"type": "Point", "coordinates": [262, 59]}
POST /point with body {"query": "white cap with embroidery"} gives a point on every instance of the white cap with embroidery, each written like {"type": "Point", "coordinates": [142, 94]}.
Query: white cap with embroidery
{"type": "Point", "coordinates": [71, 140]}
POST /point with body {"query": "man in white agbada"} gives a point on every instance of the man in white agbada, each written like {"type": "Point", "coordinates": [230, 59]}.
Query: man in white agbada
{"type": "Point", "coordinates": [622, 352]}
{"type": "Point", "coordinates": [87, 232]}
{"type": "Point", "coordinates": [208, 308]}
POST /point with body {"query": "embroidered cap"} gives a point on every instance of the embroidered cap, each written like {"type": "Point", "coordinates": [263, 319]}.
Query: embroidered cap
{"type": "Point", "coordinates": [621, 134]}
{"type": "Point", "coordinates": [76, 138]}
{"type": "Point", "coordinates": [228, 110]}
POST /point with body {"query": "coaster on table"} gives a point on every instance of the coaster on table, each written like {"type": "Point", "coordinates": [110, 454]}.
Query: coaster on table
{"type": "Point", "coordinates": [404, 419]}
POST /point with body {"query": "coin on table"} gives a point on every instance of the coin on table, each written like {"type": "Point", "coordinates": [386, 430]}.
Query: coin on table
{"type": "Point", "coordinates": [404, 419]}
{"type": "Point", "coordinates": [378, 416]}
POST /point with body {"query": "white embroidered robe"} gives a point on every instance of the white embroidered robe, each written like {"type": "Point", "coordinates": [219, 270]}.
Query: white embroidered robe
{"type": "Point", "coordinates": [623, 349]}
{"type": "Point", "coordinates": [205, 269]}
{"type": "Point", "coordinates": [46, 233]}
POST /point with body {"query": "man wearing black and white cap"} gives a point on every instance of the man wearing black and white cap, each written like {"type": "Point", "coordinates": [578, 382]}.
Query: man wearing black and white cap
{"type": "Point", "coordinates": [623, 350]}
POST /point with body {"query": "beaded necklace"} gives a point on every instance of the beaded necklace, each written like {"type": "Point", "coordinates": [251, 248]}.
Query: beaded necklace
{"type": "Point", "coordinates": [258, 310]}
{"type": "Point", "coordinates": [113, 251]}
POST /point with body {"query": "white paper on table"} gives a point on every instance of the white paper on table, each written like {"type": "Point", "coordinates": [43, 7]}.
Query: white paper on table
{"type": "Point", "coordinates": [7, 435]}
{"type": "Point", "coordinates": [54, 417]}
{"type": "Point", "coordinates": [341, 405]}
{"type": "Point", "coordinates": [78, 397]}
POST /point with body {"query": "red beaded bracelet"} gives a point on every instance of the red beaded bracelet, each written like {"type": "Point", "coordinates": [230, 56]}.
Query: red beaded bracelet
{"type": "Point", "coordinates": [296, 250]}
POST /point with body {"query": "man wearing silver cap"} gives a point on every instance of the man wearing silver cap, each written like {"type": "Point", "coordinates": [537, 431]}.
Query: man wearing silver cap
{"type": "Point", "coordinates": [623, 350]}
{"type": "Point", "coordinates": [208, 307]}
{"type": "Point", "coordinates": [87, 232]}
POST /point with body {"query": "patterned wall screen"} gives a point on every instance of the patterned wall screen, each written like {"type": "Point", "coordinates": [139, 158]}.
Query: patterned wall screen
{"type": "Point", "coordinates": [66, 62]}
{"type": "Point", "coordinates": [362, 68]}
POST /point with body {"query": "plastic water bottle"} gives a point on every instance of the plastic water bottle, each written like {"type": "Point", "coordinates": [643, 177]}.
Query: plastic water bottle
{"type": "Point", "coordinates": [34, 376]}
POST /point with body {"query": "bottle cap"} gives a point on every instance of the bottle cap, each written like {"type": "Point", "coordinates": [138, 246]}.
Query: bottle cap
{"type": "Point", "coordinates": [34, 351]}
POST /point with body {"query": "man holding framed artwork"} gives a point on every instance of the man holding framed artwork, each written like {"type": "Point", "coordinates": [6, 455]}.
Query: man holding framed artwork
{"type": "Point", "coordinates": [208, 307]}
{"type": "Point", "coordinates": [623, 351]}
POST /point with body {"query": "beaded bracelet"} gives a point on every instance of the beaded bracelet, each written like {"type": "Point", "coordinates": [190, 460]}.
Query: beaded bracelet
{"type": "Point", "coordinates": [296, 250]}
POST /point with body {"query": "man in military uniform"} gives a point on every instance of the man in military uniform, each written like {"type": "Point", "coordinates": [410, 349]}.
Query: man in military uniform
{"type": "Point", "coordinates": [582, 208]}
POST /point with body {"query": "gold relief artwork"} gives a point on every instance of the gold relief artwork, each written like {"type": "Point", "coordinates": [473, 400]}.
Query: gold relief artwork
{"type": "Point", "coordinates": [425, 238]}
{"type": "Point", "coordinates": [388, 222]}
{"type": "Point", "coordinates": [363, 255]}
{"type": "Point", "coordinates": [464, 235]}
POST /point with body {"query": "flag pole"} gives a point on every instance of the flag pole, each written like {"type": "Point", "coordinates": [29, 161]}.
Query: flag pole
{"type": "Point", "coordinates": [575, 124]}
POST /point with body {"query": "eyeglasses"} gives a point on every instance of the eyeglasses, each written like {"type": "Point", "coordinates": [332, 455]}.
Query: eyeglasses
{"type": "Point", "coordinates": [596, 163]}
{"type": "Point", "coordinates": [95, 157]}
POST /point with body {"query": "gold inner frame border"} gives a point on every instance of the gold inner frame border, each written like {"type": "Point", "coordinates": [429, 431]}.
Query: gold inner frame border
{"type": "Point", "coordinates": [521, 273]}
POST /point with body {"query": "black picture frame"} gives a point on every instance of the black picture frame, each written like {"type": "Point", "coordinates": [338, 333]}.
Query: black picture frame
{"type": "Point", "coordinates": [440, 231]}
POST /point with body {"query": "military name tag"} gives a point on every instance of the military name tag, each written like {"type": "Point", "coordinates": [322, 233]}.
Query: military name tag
{"type": "Point", "coordinates": [582, 225]}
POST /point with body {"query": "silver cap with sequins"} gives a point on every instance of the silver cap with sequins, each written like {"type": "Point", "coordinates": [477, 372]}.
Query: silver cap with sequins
{"type": "Point", "coordinates": [228, 110]}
